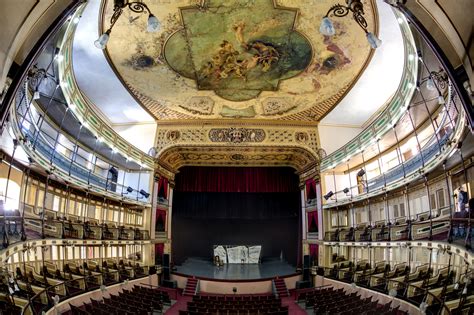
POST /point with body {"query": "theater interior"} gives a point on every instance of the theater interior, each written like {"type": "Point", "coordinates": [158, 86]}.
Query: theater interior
{"type": "Point", "coordinates": [236, 157]}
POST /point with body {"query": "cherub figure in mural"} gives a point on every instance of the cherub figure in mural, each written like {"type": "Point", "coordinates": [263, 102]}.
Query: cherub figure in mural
{"type": "Point", "coordinates": [230, 62]}
{"type": "Point", "coordinates": [267, 54]}
{"type": "Point", "coordinates": [238, 28]}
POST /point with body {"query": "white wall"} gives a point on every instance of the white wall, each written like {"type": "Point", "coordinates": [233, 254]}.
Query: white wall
{"type": "Point", "coordinates": [140, 135]}
{"type": "Point", "coordinates": [332, 137]}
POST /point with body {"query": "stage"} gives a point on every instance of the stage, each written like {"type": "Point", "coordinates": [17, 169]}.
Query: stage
{"type": "Point", "coordinates": [204, 268]}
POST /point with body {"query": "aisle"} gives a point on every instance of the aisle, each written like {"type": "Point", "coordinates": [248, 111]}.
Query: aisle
{"type": "Point", "coordinates": [293, 308]}
{"type": "Point", "coordinates": [180, 305]}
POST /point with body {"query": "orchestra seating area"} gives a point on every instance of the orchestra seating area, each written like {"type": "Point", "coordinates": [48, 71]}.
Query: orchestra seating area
{"type": "Point", "coordinates": [138, 300]}
{"type": "Point", "coordinates": [337, 302]}
{"type": "Point", "coordinates": [235, 304]}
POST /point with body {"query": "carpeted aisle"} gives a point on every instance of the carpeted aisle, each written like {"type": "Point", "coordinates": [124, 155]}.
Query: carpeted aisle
{"type": "Point", "coordinates": [180, 305]}
{"type": "Point", "coordinates": [293, 308]}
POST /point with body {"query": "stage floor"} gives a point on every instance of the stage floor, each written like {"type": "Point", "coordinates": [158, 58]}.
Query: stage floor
{"type": "Point", "coordinates": [270, 268]}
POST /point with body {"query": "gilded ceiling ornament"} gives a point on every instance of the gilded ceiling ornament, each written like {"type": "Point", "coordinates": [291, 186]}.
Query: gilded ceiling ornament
{"type": "Point", "coordinates": [276, 106]}
{"type": "Point", "coordinates": [202, 105]}
{"type": "Point", "coordinates": [301, 137]}
{"type": "Point", "coordinates": [236, 135]}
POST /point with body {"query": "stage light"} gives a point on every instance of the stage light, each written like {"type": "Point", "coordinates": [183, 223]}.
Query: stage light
{"type": "Point", "coordinates": [361, 173]}
{"type": "Point", "coordinates": [346, 190]}
{"type": "Point", "coordinates": [144, 193]}
{"type": "Point", "coordinates": [129, 189]}
{"type": "Point", "coordinates": [328, 195]}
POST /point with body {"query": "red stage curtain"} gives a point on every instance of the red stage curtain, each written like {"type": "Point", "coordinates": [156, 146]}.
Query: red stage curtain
{"type": "Point", "coordinates": [236, 179]}
{"type": "Point", "coordinates": [313, 221]}
{"type": "Point", "coordinates": [163, 188]}
{"type": "Point", "coordinates": [160, 224]}
{"type": "Point", "coordinates": [310, 189]}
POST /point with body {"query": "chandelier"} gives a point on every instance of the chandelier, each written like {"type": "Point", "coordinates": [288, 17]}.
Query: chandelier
{"type": "Point", "coordinates": [134, 6]}
{"type": "Point", "coordinates": [357, 9]}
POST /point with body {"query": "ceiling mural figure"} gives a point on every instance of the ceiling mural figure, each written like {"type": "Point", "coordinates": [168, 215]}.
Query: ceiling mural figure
{"type": "Point", "coordinates": [238, 49]}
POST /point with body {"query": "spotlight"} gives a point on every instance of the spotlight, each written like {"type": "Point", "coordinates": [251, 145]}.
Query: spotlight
{"type": "Point", "coordinates": [129, 189]}
{"type": "Point", "coordinates": [346, 190]}
{"type": "Point", "coordinates": [361, 173]}
{"type": "Point", "coordinates": [144, 193]}
{"type": "Point", "coordinates": [328, 195]}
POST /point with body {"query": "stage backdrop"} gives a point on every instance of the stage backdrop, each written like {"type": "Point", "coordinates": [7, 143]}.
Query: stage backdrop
{"type": "Point", "coordinates": [238, 206]}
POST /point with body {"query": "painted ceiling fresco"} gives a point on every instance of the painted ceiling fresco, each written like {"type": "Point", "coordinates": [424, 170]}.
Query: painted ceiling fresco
{"type": "Point", "coordinates": [258, 59]}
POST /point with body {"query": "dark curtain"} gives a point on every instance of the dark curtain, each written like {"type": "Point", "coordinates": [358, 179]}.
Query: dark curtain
{"type": "Point", "coordinates": [159, 250]}
{"type": "Point", "coordinates": [160, 224]}
{"type": "Point", "coordinates": [310, 189]}
{"type": "Point", "coordinates": [313, 253]}
{"type": "Point", "coordinates": [236, 206]}
{"type": "Point", "coordinates": [248, 206]}
{"type": "Point", "coordinates": [201, 220]}
{"type": "Point", "coordinates": [163, 188]}
{"type": "Point", "coordinates": [313, 221]}
{"type": "Point", "coordinates": [236, 179]}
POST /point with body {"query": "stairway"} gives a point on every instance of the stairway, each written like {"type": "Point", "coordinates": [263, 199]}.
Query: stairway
{"type": "Point", "coordinates": [191, 287]}
{"type": "Point", "coordinates": [280, 287]}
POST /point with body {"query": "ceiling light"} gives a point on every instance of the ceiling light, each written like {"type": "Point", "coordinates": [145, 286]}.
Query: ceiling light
{"type": "Point", "coordinates": [373, 40]}
{"type": "Point", "coordinates": [400, 20]}
{"type": "Point", "coordinates": [327, 27]}
{"type": "Point", "coordinates": [153, 24]}
{"type": "Point", "coordinates": [411, 57]}
{"type": "Point", "coordinates": [357, 9]}
{"type": "Point", "coordinates": [75, 20]}
{"type": "Point", "coordinates": [36, 95]}
{"type": "Point", "coordinates": [430, 85]}
{"type": "Point", "coordinates": [102, 41]}
{"type": "Point", "coordinates": [441, 100]}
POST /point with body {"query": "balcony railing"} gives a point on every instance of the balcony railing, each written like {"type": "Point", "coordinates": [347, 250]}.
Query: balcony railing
{"type": "Point", "coordinates": [67, 162]}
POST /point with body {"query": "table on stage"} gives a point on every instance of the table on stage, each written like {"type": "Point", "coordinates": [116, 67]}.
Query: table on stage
{"type": "Point", "coordinates": [238, 254]}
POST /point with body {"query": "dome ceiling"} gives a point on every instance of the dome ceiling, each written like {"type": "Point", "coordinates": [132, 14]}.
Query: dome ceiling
{"type": "Point", "coordinates": [258, 59]}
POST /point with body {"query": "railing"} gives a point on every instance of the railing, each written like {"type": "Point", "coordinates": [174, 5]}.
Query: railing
{"type": "Point", "coordinates": [67, 229]}
{"type": "Point", "coordinates": [68, 162]}
{"type": "Point", "coordinates": [392, 113]}
{"type": "Point", "coordinates": [431, 155]}
{"type": "Point", "coordinates": [82, 108]}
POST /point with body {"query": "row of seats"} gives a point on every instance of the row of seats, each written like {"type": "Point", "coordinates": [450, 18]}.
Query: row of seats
{"type": "Point", "coordinates": [139, 300]}
{"type": "Point", "coordinates": [331, 301]}
{"type": "Point", "coordinates": [236, 304]}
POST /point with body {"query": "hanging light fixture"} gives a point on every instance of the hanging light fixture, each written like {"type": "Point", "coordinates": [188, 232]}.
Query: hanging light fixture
{"type": "Point", "coordinates": [338, 10]}
{"type": "Point", "coordinates": [135, 6]}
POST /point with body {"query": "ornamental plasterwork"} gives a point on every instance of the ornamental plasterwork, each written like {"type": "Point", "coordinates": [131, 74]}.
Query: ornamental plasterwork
{"type": "Point", "coordinates": [175, 157]}
{"type": "Point", "coordinates": [236, 135]}
{"type": "Point", "coordinates": [294, 146]}
{"type": "Point", "coordinates": [276, 106]}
